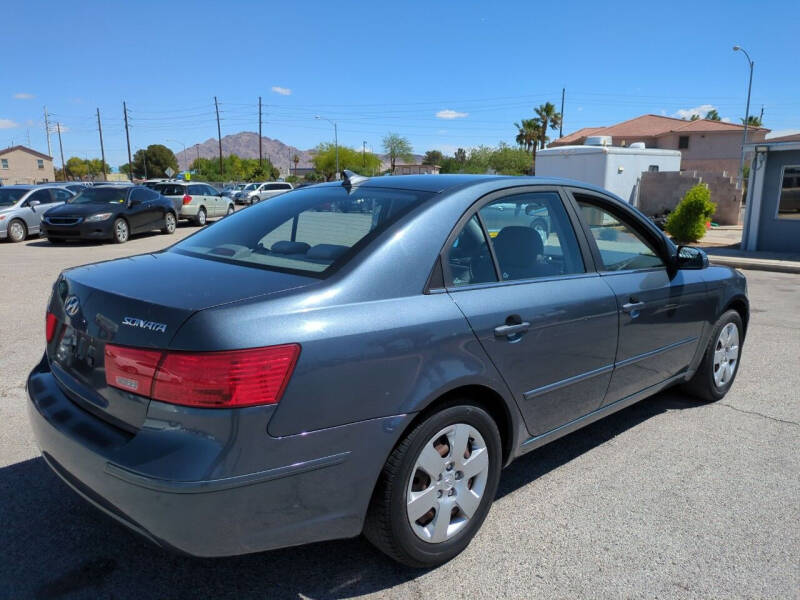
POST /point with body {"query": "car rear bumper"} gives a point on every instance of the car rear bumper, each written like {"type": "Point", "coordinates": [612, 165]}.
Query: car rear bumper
{"type": "Point", "coordinates": [256, 492]}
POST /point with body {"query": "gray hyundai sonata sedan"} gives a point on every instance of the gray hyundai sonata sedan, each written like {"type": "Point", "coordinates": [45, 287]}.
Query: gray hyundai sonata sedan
{"type": "Point", "coordinates": [366, 356]}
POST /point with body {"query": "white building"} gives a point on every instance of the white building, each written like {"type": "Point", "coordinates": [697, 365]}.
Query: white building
{"type": "Point", "coordinates": [614, 168]}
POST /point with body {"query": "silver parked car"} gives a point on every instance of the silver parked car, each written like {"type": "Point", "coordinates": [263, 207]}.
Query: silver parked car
{"type": "Point", "coordinates": [22, 207]}
{"type": "Point", "coordinates": [196, 201]}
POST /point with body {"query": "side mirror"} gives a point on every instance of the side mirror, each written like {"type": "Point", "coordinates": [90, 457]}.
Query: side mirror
{"type": "Point", "coordinates": [689, 257]}
{"type": "Point", "coordinates": [34, 203]}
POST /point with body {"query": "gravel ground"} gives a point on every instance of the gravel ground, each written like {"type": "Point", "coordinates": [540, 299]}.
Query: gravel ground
{"type": "Point", "coordinates": [668, 498]}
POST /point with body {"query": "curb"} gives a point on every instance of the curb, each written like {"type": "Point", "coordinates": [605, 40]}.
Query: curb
{"type": "Point", "coordinates": [755, 264]}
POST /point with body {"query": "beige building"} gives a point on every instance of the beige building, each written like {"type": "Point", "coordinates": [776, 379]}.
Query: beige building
{"type": "Point", "coordinates": [416, 169]}
{"type": "Point", "coordinates": [19, 164]}
{"type": "Point", "coordinates": [705, 145]}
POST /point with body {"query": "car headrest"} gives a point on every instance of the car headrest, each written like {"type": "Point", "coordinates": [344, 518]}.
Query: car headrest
{"type": "Point", "coordinates": [326, 251]}
{"type": "Point", "coordinates": [518, 246]}
{"type": "Point", "coordinates": [287, 247]}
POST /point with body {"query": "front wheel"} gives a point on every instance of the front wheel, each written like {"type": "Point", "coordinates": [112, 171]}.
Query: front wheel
{"type": "Point", "coordinates": [715, 375]}
{"type": "Point", "coordinates": [169, 223]}
{"type": "Point", "coordinates": [436, 488]}
{"type": "Point", "coordinates": [121, 231]}
{"type": "Point", "coordinates": [17, 232]}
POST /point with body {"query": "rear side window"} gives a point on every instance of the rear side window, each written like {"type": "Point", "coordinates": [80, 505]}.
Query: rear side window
{"type": "Point", "coordinates": [532, 236]}
{"type": "Point", "coordinates": [171, 189]}
{"type": "Point", "coordinates": [621, 246]}
{"type": "Point", "coordinates": [313, 231]}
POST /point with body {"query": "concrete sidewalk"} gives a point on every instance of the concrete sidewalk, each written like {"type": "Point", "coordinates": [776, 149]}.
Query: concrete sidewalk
{"type": "Point", "coordinates": [722, 246]}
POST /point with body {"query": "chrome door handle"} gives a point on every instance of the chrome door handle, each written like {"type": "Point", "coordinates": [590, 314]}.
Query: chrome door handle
{"type": "Point", "coordinates": [632, 306]}
{"type": "Point", "coordinates": [506, 330]}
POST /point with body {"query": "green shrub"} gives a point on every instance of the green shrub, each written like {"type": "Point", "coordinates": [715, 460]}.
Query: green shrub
{"type": "Point", "coordinates": [687, 223]}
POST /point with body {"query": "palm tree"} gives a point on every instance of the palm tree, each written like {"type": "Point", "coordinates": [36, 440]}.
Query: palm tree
{"type": "Point", "coordinates": [548, 117]}
{"type": "Point", "coordinates": [752, 121]}
{"type": "Point", "coordinates": [295, 160]}
{"type": "Point", "coordinates": [528, 135]}
{"type": "Point", "coordinates": [713, 115]}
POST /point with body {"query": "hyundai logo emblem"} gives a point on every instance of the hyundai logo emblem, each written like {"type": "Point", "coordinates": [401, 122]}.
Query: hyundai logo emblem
{"type": "Point", "coordinates": [72, 306]}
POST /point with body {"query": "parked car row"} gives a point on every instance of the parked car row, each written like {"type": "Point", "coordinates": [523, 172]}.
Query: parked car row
{"type": "Point", "coordinates": [105, 211]}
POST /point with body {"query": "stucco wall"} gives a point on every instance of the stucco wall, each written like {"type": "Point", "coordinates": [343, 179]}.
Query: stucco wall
{"type": "Point", "coordinates": [23, 168]}
{"type": "Point", "coordinates": [660, 192]}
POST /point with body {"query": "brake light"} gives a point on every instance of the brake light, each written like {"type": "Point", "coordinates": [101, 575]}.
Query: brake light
{"type": "Point", "coordinates": [228, 379]}
{"type": "Point", "coordinates": [50, 327]}
{"type": "Point", "coordinates": [187, 199]}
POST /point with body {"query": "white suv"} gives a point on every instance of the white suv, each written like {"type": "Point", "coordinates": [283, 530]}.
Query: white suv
{"type": "Point", "coordinates": [196, 201]}
{"type": "Point", "coordinates": [256, 192]}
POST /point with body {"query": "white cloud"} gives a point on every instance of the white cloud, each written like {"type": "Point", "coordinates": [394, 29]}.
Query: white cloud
{"type": "Point", "coordinates": [54, 128]}
{"type": "Point", "coordinates": [451, 114]}
{"type": "Point", "coordinates": [24, 96]}
{"type": "Point", "coordinates": [726, 119]}
{"type": "Point", "coordinates": [8, 124]}
{"type": "Point", "coordinates": [702, 110]}
{"type": "Point", "coordinates": [281, 90]}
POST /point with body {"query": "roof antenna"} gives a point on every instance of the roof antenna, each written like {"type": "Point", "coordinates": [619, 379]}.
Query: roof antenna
{"type": "Point", "coordinates": [351, 178]}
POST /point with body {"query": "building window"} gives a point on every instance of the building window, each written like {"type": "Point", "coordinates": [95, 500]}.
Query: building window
{"type": "Point", "coordinates": [653, 168]}
{"type": "Point", "coordinates": [683, 142]}
{"type": "Point", "coordinates": [789, 201]}
{"type": "Point", "coordinates": [4, 163]}
{"type": "Point", "coordinates": [40, 163]}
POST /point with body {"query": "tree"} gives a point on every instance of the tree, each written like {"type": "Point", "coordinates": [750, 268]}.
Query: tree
{"type": "Point", "coordinates": [752, 121]}
{"type": "Point", "coordinates": [528, 134]}
{"type": "Point", "coordinates": [713, 115]}
{"type": "Point", "coordinates": [460, 156]}
{"type": "Point", "coordinates": [234, 168]}
{"type": "Point", "coordinates": [154, 161]}
{"type": "Point", "coordinates": [433, 157]}
{"type": "Point", "coordinates": [324, 160]}
{"type": "Point", "coordinates": [549, 118]}
{"type": "Point", "coordinates": [396, 147]}
{"type": "Point", "coordinates": [694, 117]}
{"type": "Point", "coordinates": [295, 160]}
{"type": "Point", "coordinates": [77, 167]}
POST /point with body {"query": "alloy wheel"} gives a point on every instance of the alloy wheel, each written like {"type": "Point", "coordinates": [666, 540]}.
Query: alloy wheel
{"type": "Point", "coordinates": [447, 483]}
{"type": "Point", "coordinates": [16, 231]}
{"type": "Point", "coordinates": [121, 231]}
{"type": "Point", "coordinates": [726, 355]}
{"type": "Point", "coordinates": [169, 222]}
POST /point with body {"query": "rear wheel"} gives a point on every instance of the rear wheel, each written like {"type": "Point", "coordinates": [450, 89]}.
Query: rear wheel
{"type": "Point", "coordinates": [201, 217]}
{"type": "Point", "coordinates": [169, 223]}
{"type": "Point", "coordinates": [230, 210]}
{"type": "Point", "coordinates": [17, 232]}
{"type": "Point", "coordinates": [121, 232]}
{"type": "Point", "coordinates": [436, 488]}
{"type": "Point", "coordinates": [715, 375]}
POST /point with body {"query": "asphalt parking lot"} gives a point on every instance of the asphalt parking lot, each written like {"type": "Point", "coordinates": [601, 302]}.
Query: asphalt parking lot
{"type": "Point", "coordinates": [668, 498]}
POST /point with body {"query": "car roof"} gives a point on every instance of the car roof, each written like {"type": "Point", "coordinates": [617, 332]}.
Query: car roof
{"type": "Point", "coordinates": [20, 186]}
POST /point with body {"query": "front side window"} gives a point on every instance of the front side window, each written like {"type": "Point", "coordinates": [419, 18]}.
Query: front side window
{"type": "Point", "coordinates": [469, 259]}
{"type": "Point", "coordinates": [789, 201]}
{"type": "Point", "coordinates": [312, 231]}
{"type": "Point", "coordinates": [621, 246]}
{"type": "Point", "coordinates": [42, 196]}
{"type": "Point", "coordinates": [61, 195]}
{"type": "Point", "coordinates": [532, 236]}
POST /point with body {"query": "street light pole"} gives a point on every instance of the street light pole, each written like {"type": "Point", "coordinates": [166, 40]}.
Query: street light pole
{"type": "Point", "coordinates": [335, 141]}
{"type": "Point", "coordinates": [746, 112]}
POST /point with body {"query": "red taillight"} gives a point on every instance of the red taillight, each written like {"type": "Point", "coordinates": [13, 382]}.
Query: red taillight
{"type": "Point", "coordinates": [187, 199]}
{"type": "Point", "coordinates": [131, 369]}
{"type": "Point", "coordinates": [229, 379]}
{"type": "Point", "coordinates": [50, 328]}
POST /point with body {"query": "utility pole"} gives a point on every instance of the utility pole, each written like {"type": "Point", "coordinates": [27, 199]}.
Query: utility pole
{"type": "Point", "coordinates": [63, 166]}
{"type": "Point", "coordinates": [102, 148]}
{"type": "Point", "coordinates": [364, 154]}
{"type": "Point", "coordinates": [219, 137]}
{"type": "Point", "coordinates": [260, 153]}
{"type": "Point", "coordinates": [128, 138]}
{"type": "Point", "coordinates": [561, 124]}
{"type": "Point", "coordinates": [47, 132]}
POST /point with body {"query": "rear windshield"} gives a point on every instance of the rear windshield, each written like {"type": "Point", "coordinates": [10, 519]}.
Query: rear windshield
{"type": "Point", "coordinates": [170, 189]}
{"type": "Point", "coordinates": [95, 195]}
{"type": "Point", "coordinates": [311, 231]}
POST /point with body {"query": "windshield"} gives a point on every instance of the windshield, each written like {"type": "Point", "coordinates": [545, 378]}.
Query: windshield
{"type": "Point", "coordinates": [9, 196]}
{"type": "Point", "coordinates": [312, 231]}
{"type": "Point", "coordinates": [101, 195]}
{"type": "Point", "coordinates": [250, 186]}
{"type": "Point", "coordinates": [170, 189]}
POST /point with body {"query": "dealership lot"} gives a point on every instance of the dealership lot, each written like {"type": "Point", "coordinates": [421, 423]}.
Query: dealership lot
{"type": "Point", "coordinates": [666, 498]}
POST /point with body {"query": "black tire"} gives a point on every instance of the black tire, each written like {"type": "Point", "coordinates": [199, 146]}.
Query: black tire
{"type": "Point", "coordinates": [120, 231]}
{"type": "Point", "coordinates": [702, 385]}
{"type": "Point", "coordinates": [387, 525]}
{"type": "Point", "coordinates": [17, 231]}
{"type": "Point", "coordinates": [231, 210]}
{"type": "Point", "coordinates": [56, 240]}
{"type": "Point", "coordinates": [201, 218]}
{"type": "Point", "coordinates": [170, 223]}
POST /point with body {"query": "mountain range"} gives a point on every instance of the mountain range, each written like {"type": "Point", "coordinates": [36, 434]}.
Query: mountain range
{"type": "Point", "coordinates": [245, 145]}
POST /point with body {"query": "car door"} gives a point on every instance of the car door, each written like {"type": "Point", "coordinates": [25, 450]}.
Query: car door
{"type": "Point", "coordinates": [214, 199]}
{"type": "Point", "coordinates": [542, 313]}
{"type": "Point", "coordinates": [661, 312]}
{"type": "Point", "coordinates": [140, 210]}
{"type": "Point", "coordinates": [32, 215]}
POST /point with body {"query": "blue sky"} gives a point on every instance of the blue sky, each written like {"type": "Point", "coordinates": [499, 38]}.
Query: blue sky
{"type": "Point", "coordinates": [444, 74]}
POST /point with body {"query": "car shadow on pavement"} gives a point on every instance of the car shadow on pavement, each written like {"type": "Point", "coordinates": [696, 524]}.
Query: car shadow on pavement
{"type": "Point", "coordinates": [55, 545]}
